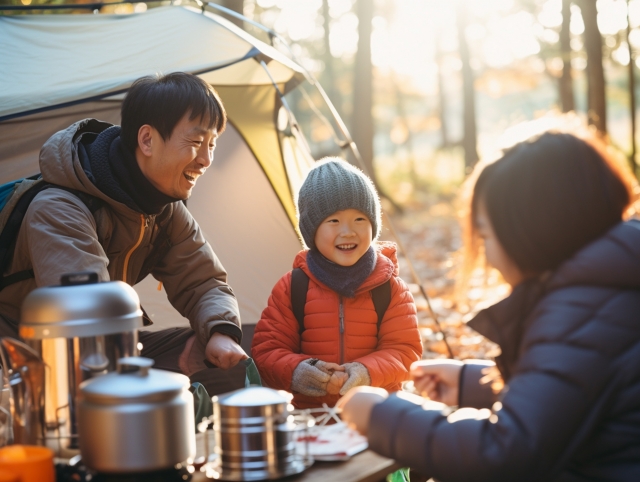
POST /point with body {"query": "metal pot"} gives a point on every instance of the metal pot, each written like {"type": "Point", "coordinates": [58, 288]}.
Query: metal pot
{"type": "Point", "coordinates": [136, 420]}
{"type": "Point", "coordinates": [79, 331]}
{"type": "Point", "coordinates": [255, 436]}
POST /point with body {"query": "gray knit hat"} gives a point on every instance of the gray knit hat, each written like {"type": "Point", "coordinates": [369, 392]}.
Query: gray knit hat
{"type": "Point", "coordinates": [335, 185]}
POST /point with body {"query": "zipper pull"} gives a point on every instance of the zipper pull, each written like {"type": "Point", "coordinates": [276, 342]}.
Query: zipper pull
{"type": "Point", "coordinates": [341, 317]}
{"type": "Point", "coordinates": [146, 222]}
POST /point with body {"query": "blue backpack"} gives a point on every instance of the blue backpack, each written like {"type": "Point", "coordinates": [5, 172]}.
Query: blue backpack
{"type": "Point", "coordinates": [15, 198]}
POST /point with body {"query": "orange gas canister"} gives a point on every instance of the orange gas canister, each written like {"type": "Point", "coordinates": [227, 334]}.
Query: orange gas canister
{"type": "Point", "coordinates": [27, 463]}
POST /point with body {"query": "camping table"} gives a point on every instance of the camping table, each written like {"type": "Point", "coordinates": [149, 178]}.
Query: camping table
{"type": "Point", "coordinates": [363, 467]}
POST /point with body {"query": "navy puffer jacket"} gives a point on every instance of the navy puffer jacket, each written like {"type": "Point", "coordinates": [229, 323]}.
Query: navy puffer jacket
{"type": "Point", "coordinates": [570, 410]}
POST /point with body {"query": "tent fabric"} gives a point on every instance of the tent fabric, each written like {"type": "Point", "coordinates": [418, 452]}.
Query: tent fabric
{"type": "Point", "coordinates": [245, 201]}
{"type": "Point", "coordinates": [22, 138]}
{"type": "Point", "coordinates": [251, 110]}
{"type": "Point", "coordinates": [66, 58]}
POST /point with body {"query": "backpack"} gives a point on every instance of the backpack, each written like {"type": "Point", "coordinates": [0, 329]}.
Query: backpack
{"type": "Point", "coordinates": [381, 296]}
{"type": "Point", "coordinates": [15, 198]}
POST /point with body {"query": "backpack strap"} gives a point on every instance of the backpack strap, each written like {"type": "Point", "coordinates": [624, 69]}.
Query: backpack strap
{"type": "Point", "coordinates": [12, 226]}
{"type": "Point", "coordinates": [10, 230]}
{"type": "Point", "coordinates": [299, 287]}
{"type": "Point", "coordinates": [381, 296]}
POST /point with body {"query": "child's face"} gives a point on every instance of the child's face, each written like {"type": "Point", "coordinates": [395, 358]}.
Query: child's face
{"type": "Point", "coordinates": [344, 237]}
{"type": "Point", "coordinates": [494, 252]}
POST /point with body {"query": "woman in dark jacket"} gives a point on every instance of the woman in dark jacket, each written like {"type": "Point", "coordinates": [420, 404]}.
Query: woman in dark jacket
{"type": "Point", "coordinates": [550, 216]}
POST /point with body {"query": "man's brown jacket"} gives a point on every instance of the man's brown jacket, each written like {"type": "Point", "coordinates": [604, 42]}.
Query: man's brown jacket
{"type": "Point", "coordinates": [60, 235]}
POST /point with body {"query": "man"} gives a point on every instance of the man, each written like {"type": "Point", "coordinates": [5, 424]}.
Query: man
{"type": "Point", "coordinates": [140, 174]}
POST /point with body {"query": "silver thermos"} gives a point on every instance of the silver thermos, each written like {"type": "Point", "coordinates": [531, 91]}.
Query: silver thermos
{"type": "Point", "coordinates": [256, 434]}
{"type": "Point", "coordinates": [80, 330]}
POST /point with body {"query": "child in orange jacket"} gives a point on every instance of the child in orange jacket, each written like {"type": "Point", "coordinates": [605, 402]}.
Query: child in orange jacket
{"type": "Point", "coordinates": [342, 343]}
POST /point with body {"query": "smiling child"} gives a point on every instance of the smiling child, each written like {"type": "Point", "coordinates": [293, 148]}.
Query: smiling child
{"type": "Point", "coordinates": [358, 323]}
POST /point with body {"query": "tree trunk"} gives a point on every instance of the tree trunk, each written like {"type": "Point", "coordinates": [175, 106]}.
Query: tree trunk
{"type": "Point", "coordinates": [567, 100]}
{"type": "Point", "coordinates": [362, 126]}
{"type": "Point", "coordinates": [597, 107]}
{"type": "Point", "coordinates": [236, 6]}
{"type": "Point", "coordinates": [469, 140]}
{"type": "Point", "coordinates": [329, 75]}
{"type": "Point", "coordinates": [442, 99]}
{"type": "Point", "coordinates": [408, 142]}
{"type": "Point", "coordinates": [632, 97]}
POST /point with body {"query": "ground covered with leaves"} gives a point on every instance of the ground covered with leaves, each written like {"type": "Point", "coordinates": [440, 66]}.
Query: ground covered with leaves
{"type": "Point", "coordinates": [430, 233]}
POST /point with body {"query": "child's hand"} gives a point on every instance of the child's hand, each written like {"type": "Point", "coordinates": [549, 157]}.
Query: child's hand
{"type": "Point", "coordinates": [336, 382]}
{"type": "Point", "coordinates": [358, 375]}
{"type": "Point", "coordinates": [328, 367]}
{"type": "Point", "coordinates": [309, 379]}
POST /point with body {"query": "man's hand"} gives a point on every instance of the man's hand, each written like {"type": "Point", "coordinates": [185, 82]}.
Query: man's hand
{"type": "Point", "coordinates": [357, 404]}
{"type": "Point", "coordinates": [437, 379]}
{"type": "Point", "coordinates": [224, 352]}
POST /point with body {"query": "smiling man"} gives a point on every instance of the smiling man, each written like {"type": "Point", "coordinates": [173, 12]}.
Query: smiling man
{"type": "Point", "coordinates": [116, 208]}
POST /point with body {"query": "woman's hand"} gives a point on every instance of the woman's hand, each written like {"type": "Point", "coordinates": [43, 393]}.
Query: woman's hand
{"type": "Point", "coordinates": [437, 379]}
{"type": "Point", "coordinates": [357, 404]}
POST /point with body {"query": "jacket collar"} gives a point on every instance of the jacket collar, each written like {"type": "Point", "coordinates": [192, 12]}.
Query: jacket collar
{"type": "Point", "coordinates": [386, 266]}
{"type": "Point", "coordinates": [504, 323]}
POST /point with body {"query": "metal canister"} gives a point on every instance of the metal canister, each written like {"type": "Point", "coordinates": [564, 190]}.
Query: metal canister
{"type": "Point", "coordinates": [136, 420]}
{"type": "Point", "coordinates": [79, 331]}
{"type": "Point", "coordinates": [255, 436]}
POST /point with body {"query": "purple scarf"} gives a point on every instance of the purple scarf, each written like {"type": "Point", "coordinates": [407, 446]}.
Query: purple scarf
{"type": "Point", "coordinates": [344, 280]}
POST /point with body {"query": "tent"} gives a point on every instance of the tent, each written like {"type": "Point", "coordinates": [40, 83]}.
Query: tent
{"type": "Point", "coordinates": [56, 69]}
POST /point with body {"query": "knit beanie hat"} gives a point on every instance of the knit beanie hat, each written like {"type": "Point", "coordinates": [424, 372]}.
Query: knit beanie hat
{"type": "Point", "coordinates": [335, 185]}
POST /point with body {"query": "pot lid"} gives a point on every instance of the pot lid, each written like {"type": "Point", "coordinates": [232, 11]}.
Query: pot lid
{"type": "Point", "coordinates": [135, 381]}
{"type": "Point", "coordinates": [80, 311]}
{"type": "Point", "coordinates": [251, 397]}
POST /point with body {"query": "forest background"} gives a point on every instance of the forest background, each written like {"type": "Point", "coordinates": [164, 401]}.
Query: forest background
{"type": "Point", "coordinates": [429, 87]}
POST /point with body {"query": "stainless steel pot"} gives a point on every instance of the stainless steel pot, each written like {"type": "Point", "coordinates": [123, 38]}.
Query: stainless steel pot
{"type": "Point", "coordinates": [79, 331]}
{"type": "Point", "coordinates": [255, 436]}
{"type": "Point", "coordinates": [136, 420]}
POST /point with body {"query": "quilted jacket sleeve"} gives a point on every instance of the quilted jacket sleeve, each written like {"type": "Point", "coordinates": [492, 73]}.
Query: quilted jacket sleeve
{"type": "Point", "coordinates": [563, 379]}
{"type": "Point", "coordinates": [399, 342]}
{"type": "Point", "coordinates": [276, 340]}
{"type": "Point", "coordinates": [472, 391]}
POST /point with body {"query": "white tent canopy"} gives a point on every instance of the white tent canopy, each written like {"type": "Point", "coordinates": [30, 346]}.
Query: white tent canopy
{"type": "Point", "coordinates": [54, 60]}
{"type": "Point", "coordinates": [57, 69]}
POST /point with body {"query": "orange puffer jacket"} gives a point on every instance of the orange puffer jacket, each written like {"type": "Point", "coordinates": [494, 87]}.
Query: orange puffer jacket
{"type": "Point", "coordinates": [387, 354]}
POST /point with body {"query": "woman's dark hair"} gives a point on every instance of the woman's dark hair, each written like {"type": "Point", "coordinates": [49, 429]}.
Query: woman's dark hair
{"type": "Point", "coordinates": [548, 197]}
{"type": "Point", "coordinates": [162, 101]}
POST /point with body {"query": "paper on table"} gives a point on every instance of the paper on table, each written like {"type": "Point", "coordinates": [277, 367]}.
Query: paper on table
{"type": "Point", "coordinates": [332, 442]}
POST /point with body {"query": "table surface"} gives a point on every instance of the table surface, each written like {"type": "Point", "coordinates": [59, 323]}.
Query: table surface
{"type": "Point", "coordinates": [363, 467]}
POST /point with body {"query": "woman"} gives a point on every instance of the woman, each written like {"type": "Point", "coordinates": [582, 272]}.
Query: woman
{"type": "Point", "coordinates": [550, 216]}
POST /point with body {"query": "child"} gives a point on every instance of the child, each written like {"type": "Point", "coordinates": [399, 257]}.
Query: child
{"type": "Point", "coordinates": [550, 216]}
{"type": "Point", "coordinates": [341, 343]}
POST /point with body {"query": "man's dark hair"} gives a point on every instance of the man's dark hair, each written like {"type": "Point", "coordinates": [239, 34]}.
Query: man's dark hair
{"type": "Point", "coordinates": [548, 197]}
{"type": "Point", "coordinates": [163, 100]}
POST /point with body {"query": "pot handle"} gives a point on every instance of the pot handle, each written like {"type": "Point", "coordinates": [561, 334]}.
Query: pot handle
{"type": "Point", "coordinates": [134, 364]}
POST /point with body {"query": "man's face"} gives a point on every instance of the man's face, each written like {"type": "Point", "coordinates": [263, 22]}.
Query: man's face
{"type": "Point", "coordinates": [175, 164]}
